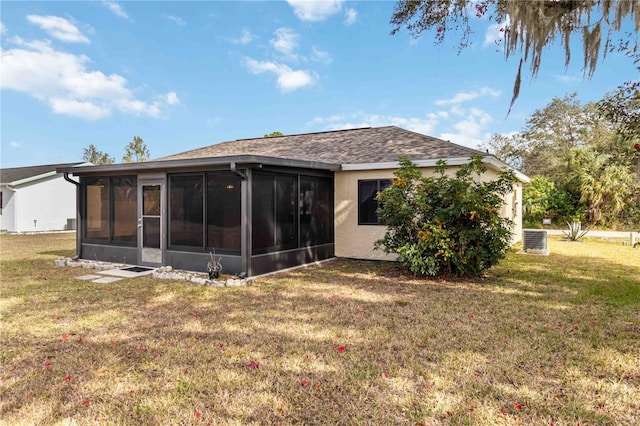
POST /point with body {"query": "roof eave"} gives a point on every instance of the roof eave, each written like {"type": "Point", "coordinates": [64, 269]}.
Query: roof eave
{"type": "Point", "coordinates": [189, 163]}
{"type": "Point", "coordinates": [452, 161]}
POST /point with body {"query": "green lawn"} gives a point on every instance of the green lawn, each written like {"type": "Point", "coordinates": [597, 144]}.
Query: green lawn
{"type": "Point", "coordinates": [540, 340]}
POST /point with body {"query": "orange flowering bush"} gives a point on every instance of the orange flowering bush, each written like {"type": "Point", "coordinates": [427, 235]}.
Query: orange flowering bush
{"type": "Point", "coordinates": [445, 225]}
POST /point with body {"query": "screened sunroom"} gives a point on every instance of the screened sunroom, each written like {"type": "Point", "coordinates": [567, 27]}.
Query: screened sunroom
{"type": "Point", "coordinates": [255, 215]}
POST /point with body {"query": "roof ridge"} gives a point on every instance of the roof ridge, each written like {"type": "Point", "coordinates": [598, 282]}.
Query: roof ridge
{"type": "Point", "coordinates": [311, 133]}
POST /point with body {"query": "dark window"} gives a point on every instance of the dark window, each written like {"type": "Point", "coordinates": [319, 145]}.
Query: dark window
{"type": "Point", "coordinates": [125, 209]}
{"type": "Point", "coordinates": [96, 223]}
{"type": "Point", "coordinates": [186, 210]}
{"type": "Point", "coordinates": [274, 212]}
{"type": "Point", "coordinates": [110, 209]}
{"type": "Point", "coordinates": [1, 205]}
{"type": "Point", "coordinates": [367, 203]}
{"type": "Point", "coordinates": [316, 207]}
{"type": "Point", "coordinates": [223, 211]}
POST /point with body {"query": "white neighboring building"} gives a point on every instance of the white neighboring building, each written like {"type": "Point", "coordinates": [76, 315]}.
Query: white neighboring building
{"type": "Point", "coordinates": [37, 199]}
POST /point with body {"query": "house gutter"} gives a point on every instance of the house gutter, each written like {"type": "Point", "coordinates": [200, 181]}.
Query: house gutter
{"type": "Point", "coordinates": [15, 206]}
{"type": "Point", "coordinates": [245, 231]}
{"type": "Point", "coordinates": [196, 163]}
{"type": "Point", "coordinates": [78, 223]}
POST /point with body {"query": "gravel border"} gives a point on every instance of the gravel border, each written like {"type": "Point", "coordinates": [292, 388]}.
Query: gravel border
{"type": "Point", "coordinates": [162, 273]}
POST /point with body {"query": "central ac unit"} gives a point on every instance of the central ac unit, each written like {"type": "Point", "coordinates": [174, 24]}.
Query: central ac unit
{"type": "Point", "coordinates": [535, 241]}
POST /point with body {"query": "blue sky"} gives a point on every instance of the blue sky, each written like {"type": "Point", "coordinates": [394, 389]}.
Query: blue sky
{"type": "Point", "coordinates": [182, 75]}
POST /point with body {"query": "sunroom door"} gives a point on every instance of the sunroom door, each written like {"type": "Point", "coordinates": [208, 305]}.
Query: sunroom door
{"type": "Point", "coordinates": [151, 220]}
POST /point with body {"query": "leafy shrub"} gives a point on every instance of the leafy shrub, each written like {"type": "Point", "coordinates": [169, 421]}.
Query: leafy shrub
{"type": "Point", "coordinates": [443, 224]}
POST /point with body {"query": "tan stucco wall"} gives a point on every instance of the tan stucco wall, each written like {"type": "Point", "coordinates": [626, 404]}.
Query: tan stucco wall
{"type": "Point", "coordinates": [357, 241]}
{"type": "Point", "coordinates": [351, 239]}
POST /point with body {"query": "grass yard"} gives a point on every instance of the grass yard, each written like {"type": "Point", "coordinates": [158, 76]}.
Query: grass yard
{"type": "Point", "coordinates": [541, 340]}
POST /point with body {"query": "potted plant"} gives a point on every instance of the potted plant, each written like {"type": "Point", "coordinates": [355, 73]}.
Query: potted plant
{"type": "Point", "coordinates": [214, 267]}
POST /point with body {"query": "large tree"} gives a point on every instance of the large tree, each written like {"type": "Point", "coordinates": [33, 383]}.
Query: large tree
{"type": "Point", "coordinates": [510, 148]}
{"type": "Point", "coordinates": [529, 26]}
{"type": "Point", "coordinates": [622, 107]}
{"type": "Point", "coordinates": [136, 151]}
{"type": "Point", "coordinates": [604, 186]}
{"type": "Point", "coordinates": [550, 134]}
{"type": "Point", "coordinates": [93, 155]}
{"type": "Point", "coordinates": [591, 166]}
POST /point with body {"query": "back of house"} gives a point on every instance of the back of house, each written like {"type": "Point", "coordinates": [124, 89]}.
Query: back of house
{"type": "Point", "coordinates": [258, 205]}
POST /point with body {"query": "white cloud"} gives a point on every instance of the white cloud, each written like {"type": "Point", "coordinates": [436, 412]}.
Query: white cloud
{"type": "Point", "coordinates": [566, 78]}
{"type": "Point", "coordinates": [213, 121]}
{"type": "Point", "coordinates": [462, 126]}
{"type": "Point", "coordinates": [246, 38]}
{"type": "Point", "coordinates": [320, 55]}
{"type": "Point", "coordinates": [470, 131]}
{"type": "Point", "coordinates": [115, 8]}
{"type": "Point", "coordinates": [424, 125]}
{"type": "Point", "coordinates": [350, 16]}
{"type": "Point", "coordinates": [62, 80]}
{"type": "Point", "coordinates": [178, 20]}
{"type": "Point", "coordinates": [58, 28]}
{"type": "Point", "coordinates": [3, 28]}
{"type": "Point", "coordinates": [81, 109]}
{"type": "Point", "coordinates": [315, 10]}
{"type": "Point", "coordinates": [285, 42]}
{"type": "Point", "coordinates": [172, 98]}
{"type": "Point", "coordinates": [461, 97]}
{"type": "Point", "coordinates": [14, 144]}
{"type": "Point", "coordinates": [494, 34]}
{"type": "Point", "coordinates": [288, 79]}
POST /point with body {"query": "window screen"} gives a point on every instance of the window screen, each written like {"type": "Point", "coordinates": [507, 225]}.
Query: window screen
{"type": "Point", "coordinates": [96, 220]}
{"type": "Point", "coordinates": [223, 211]}
{"type": "Point", "coordinates": [274, 212]}
{"type": "Point", "coordinates": [186, 210]}
{"type": "Point", "coordinates": [125, 209]}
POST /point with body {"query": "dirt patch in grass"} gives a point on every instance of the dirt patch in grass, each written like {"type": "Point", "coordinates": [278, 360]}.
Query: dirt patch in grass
{"type": "Point", "coordinates": [541, 339]}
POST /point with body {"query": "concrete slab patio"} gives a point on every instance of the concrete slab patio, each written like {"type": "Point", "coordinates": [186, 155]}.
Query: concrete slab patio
{"type": "Point", "coordinates": [88, 277]}
{"type": "Point", "coordinates": [106, 280]}
{"type": "Point", "coordinates": [124, 273]}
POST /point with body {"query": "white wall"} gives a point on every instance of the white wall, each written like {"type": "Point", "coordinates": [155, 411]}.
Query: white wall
{"type": "Point", "coordinates": [7, 215]}
{"type": "Point", "coordinates": [50, 202]}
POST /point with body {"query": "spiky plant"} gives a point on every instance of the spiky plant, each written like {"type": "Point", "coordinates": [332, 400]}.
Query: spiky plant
{"type": "Point", "coordinates": [575, 231]}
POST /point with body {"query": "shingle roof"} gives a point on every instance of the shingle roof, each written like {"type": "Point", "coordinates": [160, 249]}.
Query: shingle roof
{"type": "Point", "coordinates": [354, 146]}
{"type": "Point", "coordinates": [10, 175]}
